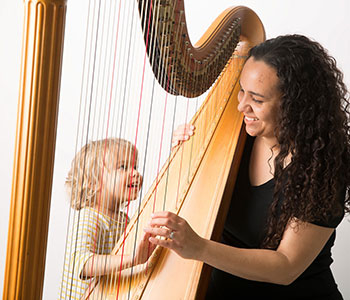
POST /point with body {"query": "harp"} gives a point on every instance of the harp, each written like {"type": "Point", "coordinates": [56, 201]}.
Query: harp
{"type": "Point", "coordinates": [188, 70]}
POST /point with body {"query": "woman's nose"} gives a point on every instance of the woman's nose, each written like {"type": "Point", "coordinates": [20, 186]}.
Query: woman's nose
{"type": "Point", "coordinates": [242, 102]}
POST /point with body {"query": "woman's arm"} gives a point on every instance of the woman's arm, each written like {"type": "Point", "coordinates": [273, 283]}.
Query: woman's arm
{"type": "Point", "coordinates": [299, 247]}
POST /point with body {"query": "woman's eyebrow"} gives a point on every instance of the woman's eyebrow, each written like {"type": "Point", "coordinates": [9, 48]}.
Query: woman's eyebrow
{"type": "Point", "coordinates": [253, 93]}
{"type": "Point", "coordinates": [256, 94]}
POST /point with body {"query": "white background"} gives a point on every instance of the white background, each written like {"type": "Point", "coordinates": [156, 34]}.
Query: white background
{"type": "Point", "coordinates": [326, 21]}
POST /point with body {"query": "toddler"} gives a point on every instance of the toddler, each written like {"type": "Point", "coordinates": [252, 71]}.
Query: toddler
{"type": "Point", "coordinates": [102, 180]}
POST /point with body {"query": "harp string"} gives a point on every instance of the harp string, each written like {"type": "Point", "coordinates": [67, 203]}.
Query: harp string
{"type": "Point", "coordinates": [94, 84]}
{"type": "Point", "coordinates": [102, 205]}
{"type": "Point", "coordinates": [93, 124]}
{"type": "Point", "coordinates": [89, 118]}
{"type": "Point", "coordinates": [167, 79]}
{"type": "Point", "coordinates": [127, 153]}
{"type": "Point", "coordinates": [75, 193]}
{"type": "Point", "coordinates": [151, 53]}
{"type": "Point", "coordinates": [135, 143]}
{"type": "Point", "coordinates": [116, 215]}
{"type": "Point", "coordinates": [171, 79]}
{"type": "Point", "coordinates": [124, 108]}
{"type": "Point", "coordinates": [90, 122]}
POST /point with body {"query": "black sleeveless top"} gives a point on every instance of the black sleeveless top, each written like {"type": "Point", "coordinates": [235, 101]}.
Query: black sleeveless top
{"type": "Point", "coordinates": [245, 228]}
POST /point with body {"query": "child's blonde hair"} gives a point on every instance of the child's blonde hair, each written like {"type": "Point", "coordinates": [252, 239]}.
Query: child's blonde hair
{"type": "Point", "coordinates": [83, 180]}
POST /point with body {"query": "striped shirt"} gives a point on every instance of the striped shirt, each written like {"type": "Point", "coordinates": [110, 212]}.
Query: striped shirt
{"type": "Point", "coordinates": [92, 233]}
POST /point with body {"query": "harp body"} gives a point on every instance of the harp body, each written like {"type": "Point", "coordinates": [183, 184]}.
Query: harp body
{"type": "Point", "coordinates": [202, 196]}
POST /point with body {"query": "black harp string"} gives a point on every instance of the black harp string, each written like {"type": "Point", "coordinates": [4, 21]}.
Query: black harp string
{"type": "Point", "coordinates": [150, 50]}
{"type": "Point", "coordinates": [89, 118]}
{"type": "Point", "coordinates": [103, 125]}
{"type": "Point", "coordinates": [178, 195]}
{"type": "Point", "coordinates": [111, 161]}
{"type": "Point", "coordinates": [151, 53]}
{"type": "Point", "coordinates": [84, 159]}
{"type": "Point", "coordinates": [111, 278]}
{"type": "Point", "coordinates": [141, 192]}
{"type": "Point", "coordinates": [96, 151]}
{"type": "Point", "coordinates": [194, 137]}
{"type": "Point", "coordinates": [104, 109]}
{"type": "Point", "coordinates": [120, 77]}
{"type": "Point", "coordinates": [155, 16]}
{"type": "Point", "coordinates": [72, 190]}
{"type": "Point", "coordinates": [121, 216]}
{"type": "Point", "coordinates": [182, 90]}
{"type": "Point", "coordinates": [178, 33]}
{"type": "Point", "coordinates": [164, 81]}
{"type": "Point", "coordinates": [122, 116]}
{"type": "Point", "coordinates": [111, 158]}
{"type": "Point", "coordinates": [124, 236]}
{"type": "Point", "coordinates": [89, 98]}
{"type": "Point", "coordinates": [192, 140]}
{"type": "Point", "coordinates": [124, 119]}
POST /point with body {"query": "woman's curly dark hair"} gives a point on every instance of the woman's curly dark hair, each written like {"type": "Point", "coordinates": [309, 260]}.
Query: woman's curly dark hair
{"type": "Point", "coordinates": [313, 126]}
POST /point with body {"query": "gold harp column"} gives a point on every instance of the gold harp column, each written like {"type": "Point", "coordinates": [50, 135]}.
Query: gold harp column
{"type": "Point", "coordinates": [42, 47]}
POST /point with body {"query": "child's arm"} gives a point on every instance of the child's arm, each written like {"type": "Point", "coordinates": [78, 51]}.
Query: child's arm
{"type": "Point", "coordinates": [98, 264]}
{"type": "Point", "coordinates": [182, 133]}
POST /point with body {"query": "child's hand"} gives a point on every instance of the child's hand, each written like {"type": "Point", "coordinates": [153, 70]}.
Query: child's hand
{"type": "Point", "coordinates": [144, 250]}
{"type": "Point", "coordinates": [182, 133]}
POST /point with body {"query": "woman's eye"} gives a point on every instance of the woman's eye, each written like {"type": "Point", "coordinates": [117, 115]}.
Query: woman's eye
{"type": "Point", "coordinates": [257, 101]}
{"type": "Point", "coordinates": [122, 167]}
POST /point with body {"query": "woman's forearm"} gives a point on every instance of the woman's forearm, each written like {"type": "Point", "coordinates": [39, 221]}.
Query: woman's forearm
{"type": "Point", "coordinates": [299, 247]}
{"type": "Point", "coordinates": [253, 264]}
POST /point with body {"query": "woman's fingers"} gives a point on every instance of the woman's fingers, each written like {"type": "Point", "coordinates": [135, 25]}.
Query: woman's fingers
{"type": "Point", "coordinates": [169, 220]}
{"type": "Point", "coordinates": [173, 232]}
{"type": "Point", "coordinates": [158, 231]}
{"type": "Point", "coordinates": [161, 236]}
{"type": "Point", "coordinates": [164, 224]}
{"type": "Point", "coordinates": [170, 244]}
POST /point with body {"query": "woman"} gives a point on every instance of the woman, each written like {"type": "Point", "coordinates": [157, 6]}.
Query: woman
{"type": "Point", "coordinates": [293, 184]}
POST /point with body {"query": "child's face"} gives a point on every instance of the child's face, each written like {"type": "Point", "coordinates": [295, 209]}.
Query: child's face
{"type": "Point", "coordinates": [122, 182]}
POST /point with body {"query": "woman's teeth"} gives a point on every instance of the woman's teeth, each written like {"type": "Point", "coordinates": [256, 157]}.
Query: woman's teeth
{"type": "Point", "coordinates": [250, 119]}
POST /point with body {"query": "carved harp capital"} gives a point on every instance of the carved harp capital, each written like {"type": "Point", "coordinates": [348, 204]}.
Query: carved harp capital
{"type": "Point", "coordinates": [177, 64]}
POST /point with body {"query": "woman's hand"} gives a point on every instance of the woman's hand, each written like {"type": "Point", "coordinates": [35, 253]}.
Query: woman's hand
{"type": "Point", "coordinates": [182, 133]}
{"type": "Point", "coordinates": [178, 234]}
{"type": "Point", "coordinates": [144, 250]}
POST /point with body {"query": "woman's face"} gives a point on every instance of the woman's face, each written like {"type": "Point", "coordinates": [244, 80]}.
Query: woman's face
{"type": "Point", "coordinates": [259, 98]}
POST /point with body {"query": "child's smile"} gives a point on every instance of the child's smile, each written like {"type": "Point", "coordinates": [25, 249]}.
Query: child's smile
{"type": "Point", "coordinates": [122, 182]}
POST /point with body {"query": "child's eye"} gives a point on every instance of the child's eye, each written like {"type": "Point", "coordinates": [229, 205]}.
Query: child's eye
{"type": "Point", "coordinates": [122, 167]}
